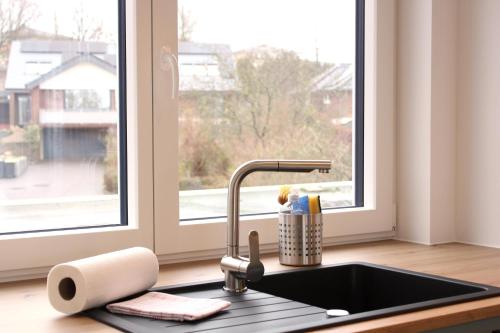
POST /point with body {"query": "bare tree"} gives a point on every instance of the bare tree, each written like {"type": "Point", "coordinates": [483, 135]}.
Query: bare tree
{"type": "Point", "coordinates": [87, 27]}
{"type": "Point", "coordinates": [14, 18]}
{"type": "Point", "coordinates": [270, 82]}
{"type": "Point", "coordinates": [186, 26]}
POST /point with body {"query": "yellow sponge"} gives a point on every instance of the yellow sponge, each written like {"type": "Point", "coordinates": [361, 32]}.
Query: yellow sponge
{"type": "Point", "coordinates": [314, 204]}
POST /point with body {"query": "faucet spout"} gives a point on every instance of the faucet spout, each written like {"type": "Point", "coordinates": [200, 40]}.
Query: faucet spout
{"type": "Point", "coordinates": [235, 279]}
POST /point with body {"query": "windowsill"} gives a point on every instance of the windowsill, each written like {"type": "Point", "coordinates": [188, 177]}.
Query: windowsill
{"type": "Point", "coordinates": [275, 216]}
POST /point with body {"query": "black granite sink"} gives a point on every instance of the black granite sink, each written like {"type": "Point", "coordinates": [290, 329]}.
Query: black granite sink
{"type": "Point", "coordinates": [297, 300]}
{"type": "Point", "coordinates": [367, 289]}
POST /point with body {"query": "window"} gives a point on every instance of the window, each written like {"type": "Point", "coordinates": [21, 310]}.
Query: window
{"type": "Point", "coordinates": [262, 80]}
{"type": "Point", "coordinates": [88, 100]}
{"type": "Point", "coordinates": [23, 109]}
{"type": "Point", "coordinates": [171, 83]}
{"type": "Point", "coordinates": [78, 224]}
{"type": "Point", "coordinates": [62, 162]}
{"type": "Point", "coordinates": [276, 90]}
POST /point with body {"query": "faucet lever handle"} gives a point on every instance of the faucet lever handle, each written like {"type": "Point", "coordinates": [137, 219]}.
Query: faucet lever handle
{"type": "Point", "coordinates": [253, 246]}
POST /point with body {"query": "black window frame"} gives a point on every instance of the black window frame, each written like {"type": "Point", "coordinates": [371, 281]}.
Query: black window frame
{"type": "Point", "coordinates": [122, 111]}
{"type": "Point", "coordinates": [122, 132]}
{"type": "Point", "coordinates": [359, 123]}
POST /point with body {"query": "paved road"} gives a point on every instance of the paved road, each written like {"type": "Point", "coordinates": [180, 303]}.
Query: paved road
{"type": "Point", "coordinates": [54, 180]}
{"type": "Point", "coordinates": [66, 194]}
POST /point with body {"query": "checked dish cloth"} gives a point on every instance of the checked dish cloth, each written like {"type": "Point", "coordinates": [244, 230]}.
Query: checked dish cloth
{"type": "Point", "coordinates": [169, 307]}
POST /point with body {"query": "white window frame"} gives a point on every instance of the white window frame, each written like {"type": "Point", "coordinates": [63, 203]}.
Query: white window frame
{"type": "Point", "coordinates": [376, 220]}
{"type": "Point", "coordinates": [153, 205]}
{"type": "Point", "coordinates": [30, 255]}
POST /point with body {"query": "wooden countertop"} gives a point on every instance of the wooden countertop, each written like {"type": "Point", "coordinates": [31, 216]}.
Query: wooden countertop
{"type": "Point", "coordinates": [24, 306]}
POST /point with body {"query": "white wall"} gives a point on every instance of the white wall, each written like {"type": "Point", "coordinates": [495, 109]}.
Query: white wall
{"type": "Point", "coordinates": [426, 120]}
{"type": "Point", "coordinates": [82, 76]}
{"type": "Point", "coordinates": [449, 121]}
{"type": "Point", "coordinates": [443, 121]}
{"type": "Point", "coordinates": [478, 123]}
{"type": "Point", "coordinates": [414, 102]}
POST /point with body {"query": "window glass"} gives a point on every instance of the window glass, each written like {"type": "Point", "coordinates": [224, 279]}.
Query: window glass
{"type": "Point", "coordinates": [24, 109]}
{"type": "Point", "coordinates": [264, 79]}
{"type": "Point", "coordinates": [87, 100]}
{"type": "Point", "coordinates": [59, 152]}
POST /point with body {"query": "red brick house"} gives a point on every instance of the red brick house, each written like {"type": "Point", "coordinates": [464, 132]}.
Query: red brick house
{"type": "Point", "coordinates": [68, 89]}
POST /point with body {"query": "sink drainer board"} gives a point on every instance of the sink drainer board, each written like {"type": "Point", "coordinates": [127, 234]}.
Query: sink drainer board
{"type": "Point", "coordinates": [367, 291]}
{"type": "Point", "coordinates": [249, 312]}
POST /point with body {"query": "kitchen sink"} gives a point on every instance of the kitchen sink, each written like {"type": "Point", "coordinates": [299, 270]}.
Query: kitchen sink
{"type": "Point", "coordinates": [298, 299]}
{"type": "Point", "coordinates": [370, 290]}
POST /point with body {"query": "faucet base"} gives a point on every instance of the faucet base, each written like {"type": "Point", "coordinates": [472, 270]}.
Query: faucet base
{"type": "Point", "coordinates": [235, 291]}
{"type": "Point", "coordinates": [233, 284]}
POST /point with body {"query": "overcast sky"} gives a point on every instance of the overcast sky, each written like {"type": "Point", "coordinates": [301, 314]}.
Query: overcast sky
{"type": "Point", "coordinates": [100, 11]}
{"type": "Point", "coordinates": [298, 25]}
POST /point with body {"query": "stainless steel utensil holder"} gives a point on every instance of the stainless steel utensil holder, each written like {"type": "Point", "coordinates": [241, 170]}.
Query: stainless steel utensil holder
{"type": "Point", "coordinates": [300, 239]}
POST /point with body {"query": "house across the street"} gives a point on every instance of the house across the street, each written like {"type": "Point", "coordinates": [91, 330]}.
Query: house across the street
{"type": "Point", "coordinates": [69, 89]}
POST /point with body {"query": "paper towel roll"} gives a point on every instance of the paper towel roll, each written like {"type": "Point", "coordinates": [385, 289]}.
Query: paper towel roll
{"type": "Point", "coordinates": [87, 283]}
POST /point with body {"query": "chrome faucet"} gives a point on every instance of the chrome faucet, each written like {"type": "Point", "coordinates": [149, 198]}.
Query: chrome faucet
{"type": "Point", "coordinates": [238, 269]}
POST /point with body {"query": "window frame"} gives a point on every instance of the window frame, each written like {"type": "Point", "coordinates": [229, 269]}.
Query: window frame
{"type": "Point", "coordinates": [375, 219]}
{"type": "Point", "coordinates": [359, 104]}
{"type": "Point", "coordinates": [33, 253]}
{"type": "Point", "coordinates": [358, 128]}
{"type": "Point", "coordinates": [121, 129]}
